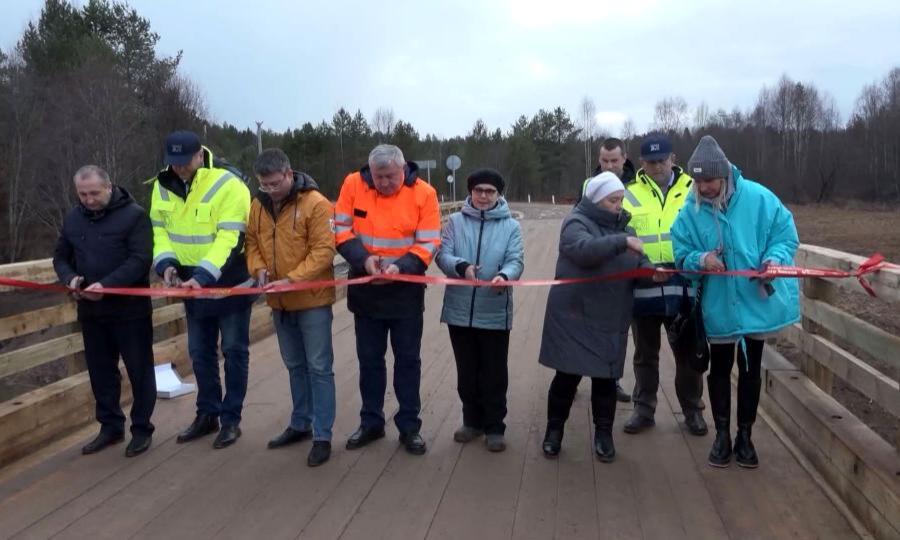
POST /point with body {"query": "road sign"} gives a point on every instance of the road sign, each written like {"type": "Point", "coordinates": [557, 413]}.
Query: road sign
{"type": "Point", "coordinates": [426, 163]}
{"type": "Point", "coordinates": [453, 162]}
{"type": "Point", "coordinates": [450, 178]}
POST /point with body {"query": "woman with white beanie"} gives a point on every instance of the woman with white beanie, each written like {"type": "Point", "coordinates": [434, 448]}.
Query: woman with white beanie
{"type": "Point", "coordinates": [586, 324]}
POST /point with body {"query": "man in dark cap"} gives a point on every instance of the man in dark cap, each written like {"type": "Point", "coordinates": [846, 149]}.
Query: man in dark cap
{"type": "Point", "coordinates": [199, 211]}
{"type": "Point", "coordinates": [653, 199]}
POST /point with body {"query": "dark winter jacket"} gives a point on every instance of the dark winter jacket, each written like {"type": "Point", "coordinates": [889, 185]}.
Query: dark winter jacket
{"type": "Point", "coordinates": [586, 324]}
{"type": "Point", "coordinates": [114, 247]}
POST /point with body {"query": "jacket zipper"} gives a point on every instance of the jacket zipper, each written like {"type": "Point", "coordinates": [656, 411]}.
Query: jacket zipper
{"type": "Point", "coordinates": [477, 261]}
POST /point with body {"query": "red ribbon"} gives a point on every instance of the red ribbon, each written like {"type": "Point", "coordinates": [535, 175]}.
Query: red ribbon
{"type": "Point", "coordinates": [870, 265]}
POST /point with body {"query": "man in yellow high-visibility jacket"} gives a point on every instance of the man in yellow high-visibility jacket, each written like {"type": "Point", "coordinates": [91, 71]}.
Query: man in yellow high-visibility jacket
{"type": "Point", "coordinates": [654, 199]}
{"type": "Point", "coordinates": [199, 211]}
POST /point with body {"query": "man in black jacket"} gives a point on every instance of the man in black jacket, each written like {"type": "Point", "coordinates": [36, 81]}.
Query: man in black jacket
{"type": "Point", "coordinates": [106, 241]}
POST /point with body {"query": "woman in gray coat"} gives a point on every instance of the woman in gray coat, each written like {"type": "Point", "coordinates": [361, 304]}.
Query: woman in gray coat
{"type": "Point", "coordinates": [482, 241]}
{"type": "Point", "coordinates": [586, 324]}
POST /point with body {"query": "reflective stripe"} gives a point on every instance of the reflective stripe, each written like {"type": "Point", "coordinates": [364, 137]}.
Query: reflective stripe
{"type": "Point", "coordinates": [629, 196]}
{"type": "Point", "coordinates": [164, 255]}
{"type": "Point", "coordinates": [657, 292]}
{"type": "Point", "coordinates": [427, 235]}
{"type": "Point", "coordinates": [342, 218]}
{"type": "Point", "coordinates": [375, 241]}
{"type": "Point", "coordinates": [185, 239]}
{"type": "Point", "coordinates": [652, 238]}
{"type": "Point", "coordinates": [163, 192]}
{"type": "Point", "coordinates": [232, 226]}
{"type": "Point", "coordinates": [211, 268]}
{"type": "Point", "coordinates": [157, 223]}
{"type": "Point", "coordinates": [342, 228]}
{"type": "Point", "coordinates": [427, 246]}
{"type": "Point", "coordinates": [217, 186]}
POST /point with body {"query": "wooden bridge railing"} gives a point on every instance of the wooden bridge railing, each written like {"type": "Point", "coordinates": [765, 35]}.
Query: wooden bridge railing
{"type": "Point", "coordinates": [859, 465]}
{"type": "Point", "coordinates": [45, 345]}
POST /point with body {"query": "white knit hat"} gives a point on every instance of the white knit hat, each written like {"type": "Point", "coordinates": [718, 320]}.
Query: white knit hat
{"type": "Point", "coordinates": [600, 186]}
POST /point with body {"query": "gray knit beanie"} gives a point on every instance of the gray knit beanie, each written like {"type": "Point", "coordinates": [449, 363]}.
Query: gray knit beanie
{"type": "Point", "coordinates": [708, 160]}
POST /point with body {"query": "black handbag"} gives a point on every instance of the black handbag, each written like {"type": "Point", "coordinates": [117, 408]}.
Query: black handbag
{"type": "Point", "coordinates": [687, 335]}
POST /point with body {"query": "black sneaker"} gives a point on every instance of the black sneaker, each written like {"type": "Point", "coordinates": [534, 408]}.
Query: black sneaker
{"type": "Point", "coordinates": [138, 445]}
{"type": "Point", "coordinates": [695, 423]}
{"type": "Point", "coordinates": [414, 443]}
{"type": "Point", "coordinates": [744, 451]}
{"type": "Point", "coordinates": [202, 425]}
{"type": "Point", "coordinates": [638, 423]}
{"type": "Point", "coordinates": [319, 453]}
{"type": "Point", "coordinates": [101, 441]}
{"type": "Point", "coordinates": [289, 436]}
{"type": "Point", "coordinates": [228, 436]}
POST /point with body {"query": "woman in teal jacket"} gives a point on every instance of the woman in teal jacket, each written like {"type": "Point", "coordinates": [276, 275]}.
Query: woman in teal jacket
{"type": "Point", "coordinates": [730, 222]}
{"type": "Point", "coordinates": [482, 241]}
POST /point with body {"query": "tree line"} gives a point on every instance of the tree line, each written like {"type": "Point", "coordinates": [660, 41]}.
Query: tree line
{"type": "Point", "coordinates": [85, 85]}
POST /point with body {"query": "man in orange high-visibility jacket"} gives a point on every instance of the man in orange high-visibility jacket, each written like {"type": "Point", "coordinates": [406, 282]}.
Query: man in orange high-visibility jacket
{"type": "Point", "coordinates": [387, 221]}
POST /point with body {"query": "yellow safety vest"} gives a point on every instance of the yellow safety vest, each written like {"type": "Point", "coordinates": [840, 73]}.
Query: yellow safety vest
{"type": "Point", "coordinates": [202, 229]}
{"type": "Point", "coordinates": [654, 213]}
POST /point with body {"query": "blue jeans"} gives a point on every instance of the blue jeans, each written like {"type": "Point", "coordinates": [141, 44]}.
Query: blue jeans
{"type": "Point", "coordinates": [371, 345]}
{"type": "Point", "coordinates": [203, 341]}
{"type": "Point", "coordinates": [304, 338]}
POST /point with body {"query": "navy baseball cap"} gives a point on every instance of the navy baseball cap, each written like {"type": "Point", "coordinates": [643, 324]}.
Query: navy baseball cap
{"type": "Point", "coordinates": [656, 147]}
{"type": "Point", "coordinates": [181, 147]}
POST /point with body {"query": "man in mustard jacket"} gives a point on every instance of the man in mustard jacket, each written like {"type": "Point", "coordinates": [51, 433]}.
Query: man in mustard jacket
{"type": "Point", "coordinates": [198, 210]}
{"type": "Point", "coordinates": [289, 240]}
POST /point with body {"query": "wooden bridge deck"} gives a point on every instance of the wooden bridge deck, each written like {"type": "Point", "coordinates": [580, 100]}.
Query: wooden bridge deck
{"type": "Point", "coordinates": [659, 487]}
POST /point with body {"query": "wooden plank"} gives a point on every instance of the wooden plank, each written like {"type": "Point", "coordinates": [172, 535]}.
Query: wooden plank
{"type": "Point", "coordinates": [886, 282]}
{"type": "Point", "coordinates": [38, 271]}
{"type": "Point", "coordinates": [37, 321]}
{"type": "Point", "coordinates": [34, 355]}
{"type": "Point", "coordinates": [846, 451]}
{"type": "Point", "coordinates": [858, 374]}
{"type": "Point", "coordinates": [285, 469]}
{"type": "Point", "coordinates": [126, 500]}
{"type": "Point", "coordinates": [857, 333]}
{"type": "Point", "coordinates": [52, 411]}
{"type": "Point", "coordinates": [41, 353]}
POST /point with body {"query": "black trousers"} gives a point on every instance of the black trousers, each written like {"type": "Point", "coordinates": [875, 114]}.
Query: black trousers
{"type": "Point", "coordinates": [749, 378]}
{"type": "Point", "coordinates": [562, 394]}
{"type": "Point", "coordinates": [481, 376]}
{"type": "Point", "coordinates": [688, 382]}
{"type": "Point", "coordinates": [104, 341]}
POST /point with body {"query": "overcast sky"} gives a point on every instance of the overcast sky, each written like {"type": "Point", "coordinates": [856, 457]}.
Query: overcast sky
{"type": "Point", "coordinates": [442, 65]}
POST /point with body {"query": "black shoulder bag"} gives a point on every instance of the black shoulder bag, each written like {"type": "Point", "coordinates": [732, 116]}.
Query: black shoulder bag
{"type": "Point", "coordinates": [686, 333]}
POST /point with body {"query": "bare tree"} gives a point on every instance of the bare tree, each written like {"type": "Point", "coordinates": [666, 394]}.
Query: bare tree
{"type": "Point", "coordinates": [628, 130]}
{"type": "Point", "coordinates": [24, 109]}
{"type": "Point", "coordinates": [671, 115]}
{"type": "Point", "coordinates": [383, 123]}
{"type": "Point", "coordinates": [588, 127]}
{"type": "Point", "coordinates": [702, 116]}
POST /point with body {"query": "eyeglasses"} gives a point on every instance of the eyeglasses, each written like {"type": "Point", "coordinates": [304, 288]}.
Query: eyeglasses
{"type": "Point", "coordinates": [270, 187]}
{"type": "Point", "coordinates": [484, 191]}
